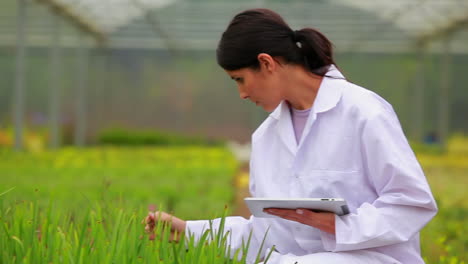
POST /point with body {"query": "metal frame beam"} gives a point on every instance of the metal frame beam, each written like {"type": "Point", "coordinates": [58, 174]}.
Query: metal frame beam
{"type": "Point", "coordinates": [441, 32]}
{"type": "Point", "coordinates": [82, 24]}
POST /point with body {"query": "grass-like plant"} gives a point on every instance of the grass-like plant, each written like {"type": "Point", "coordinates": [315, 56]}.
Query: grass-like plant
{"type": "Point", "coordinates": [30, 234]}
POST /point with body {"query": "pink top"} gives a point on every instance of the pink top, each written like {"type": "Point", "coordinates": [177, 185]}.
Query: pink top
{"type": "Point", "coordinates": [299, 119]}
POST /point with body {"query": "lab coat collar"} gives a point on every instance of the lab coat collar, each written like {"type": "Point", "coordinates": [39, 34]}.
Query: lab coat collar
{"type": "Point", "coordinates": [328, 95]}
{"type": "Point", "coordinates": [327, 98]}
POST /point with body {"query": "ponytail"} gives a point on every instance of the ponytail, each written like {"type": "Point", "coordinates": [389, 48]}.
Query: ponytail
{"type": "Point", "coordinates": [258, 31]}
{"type": "Point", "coordinates": [316, 50]}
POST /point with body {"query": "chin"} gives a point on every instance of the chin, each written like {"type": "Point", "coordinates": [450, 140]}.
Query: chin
{"type": "Point", "coordinates": [270, 108]}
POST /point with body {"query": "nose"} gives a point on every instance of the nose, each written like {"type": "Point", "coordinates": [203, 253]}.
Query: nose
{"type": "Point", "coordinates": [243, 95]}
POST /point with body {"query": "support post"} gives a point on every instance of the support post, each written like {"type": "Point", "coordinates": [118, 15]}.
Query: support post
{"type": "Point", "coordinates": [81, 85]}
{"type": "Point", "coordinates": [18, 95]}
{"type": "Point", "coordinates": [444, 91]}
{"type": "Point", "coordinates": [419, 95]}
{"type": "Point", "coordinates": [55, 77]}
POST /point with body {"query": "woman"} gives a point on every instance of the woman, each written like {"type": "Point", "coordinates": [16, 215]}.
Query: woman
{"type": "Point", "coordinates": [325, 137]}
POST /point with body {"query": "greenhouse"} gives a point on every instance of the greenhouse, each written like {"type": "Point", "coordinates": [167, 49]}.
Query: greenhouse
{"type": "Point", "coordinates": [118, 63]}
{"type": "Point", "coordinates": [111, 105]}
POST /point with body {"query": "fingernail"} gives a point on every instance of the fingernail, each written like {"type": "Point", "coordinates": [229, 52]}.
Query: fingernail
{"type": "Point", "coordinates": [299, 211]}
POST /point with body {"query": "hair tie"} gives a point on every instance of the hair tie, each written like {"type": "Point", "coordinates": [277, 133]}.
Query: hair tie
{"type": "Point", "coordinates": [296, 38]}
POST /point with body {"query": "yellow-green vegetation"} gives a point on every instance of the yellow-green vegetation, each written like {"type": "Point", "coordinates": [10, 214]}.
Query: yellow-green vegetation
{"type": "Point", "coordinates": [85, 205]}
{"type": "Point", "coordinates": [102, 235]}
{"type": "Point", "coordinates": [444, 239]}
{"type": "Point", "coordinates": [122, 177]}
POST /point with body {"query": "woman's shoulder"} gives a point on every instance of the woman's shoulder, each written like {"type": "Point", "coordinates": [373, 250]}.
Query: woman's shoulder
{"type": "Point", "coordinates": [364, 102]}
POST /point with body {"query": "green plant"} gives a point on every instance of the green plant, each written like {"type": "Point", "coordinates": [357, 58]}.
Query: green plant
{"type": "Point", "coordinates": [119, 136]}
{"type": "Point", "coordinates": [31, 234]}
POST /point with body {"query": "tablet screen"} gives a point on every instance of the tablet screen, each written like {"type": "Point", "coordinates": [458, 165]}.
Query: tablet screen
{"type": "Point", "coordinates": [334, 205]}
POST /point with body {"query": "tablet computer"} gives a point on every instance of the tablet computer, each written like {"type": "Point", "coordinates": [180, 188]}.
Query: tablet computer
{"type": "Point", "coordinates": [334, 205]}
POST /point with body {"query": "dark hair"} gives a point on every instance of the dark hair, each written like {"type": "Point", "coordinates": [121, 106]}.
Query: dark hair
{"type": "Point", "coordinates": [256, 31]}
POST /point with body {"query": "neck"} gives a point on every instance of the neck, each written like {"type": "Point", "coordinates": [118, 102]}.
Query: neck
{"type": "Point", "coordinates": [302, 88]}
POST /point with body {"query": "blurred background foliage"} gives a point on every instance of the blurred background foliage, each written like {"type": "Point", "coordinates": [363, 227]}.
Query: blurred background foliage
{"type": "Point", "coordinates": [197, 182]}
{"type": "Point", "coordinates": [141, 87]}
{"type": "Point", "coordinates": [192, 95]}
{"type": "Point", "coordinates": [442, 240]}
{"type": "Point", "coordinates": [192, 181]}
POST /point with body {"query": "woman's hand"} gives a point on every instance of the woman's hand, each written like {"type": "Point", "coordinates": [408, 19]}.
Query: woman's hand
{"type": "Point", "coordinates": [322, 220]}
{"type": "Point", "coordinates": [177, 225]}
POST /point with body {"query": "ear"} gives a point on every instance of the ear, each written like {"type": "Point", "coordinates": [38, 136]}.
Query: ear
{"type": "Point", "coordinates": [266, 62]}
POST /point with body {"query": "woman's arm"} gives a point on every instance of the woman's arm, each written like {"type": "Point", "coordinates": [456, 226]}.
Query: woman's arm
{"type": "Point", "coordinates": [405, 203]}
{"type": "Point", "coordinates": [177, 225]}
{"type": "Point", "coordinates": [320, 220]}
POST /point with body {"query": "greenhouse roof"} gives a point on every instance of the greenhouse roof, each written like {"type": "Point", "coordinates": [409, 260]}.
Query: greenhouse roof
{"type": "Point", "coordinates": [353, 25]}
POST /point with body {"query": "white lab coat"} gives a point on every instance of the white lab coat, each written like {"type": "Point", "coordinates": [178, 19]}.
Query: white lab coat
{"type": "Point", "coordinates": [352, 147]}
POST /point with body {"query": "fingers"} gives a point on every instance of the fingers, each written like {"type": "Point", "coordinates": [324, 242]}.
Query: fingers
{"type": "Point", "coordinates": [149, 229]}
{"type": "Point", "coordinates": [300, 215]}
{"type": "Point", "coordinates": [289, 214]}
{"type": "Point", "coordinates": [150, 222]}
{"type": "Point", "coordinates": [177, 225]}
{"type": "Point", "coordinates": [159, 216]}
{"type": "Point", "coordinates": [148, 218]}
{"type": "Point", "coordinates": [324, 221]}
{"type": "Point", "coordinates": [281, 212]}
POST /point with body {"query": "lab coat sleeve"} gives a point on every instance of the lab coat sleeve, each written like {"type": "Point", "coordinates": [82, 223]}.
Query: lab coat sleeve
{"type": "Point", "coordinates": [240, 230]}
{"type": "Point", "coordinates": [405, 203]}
{"type": "Point", "coordinates": [238, 227]}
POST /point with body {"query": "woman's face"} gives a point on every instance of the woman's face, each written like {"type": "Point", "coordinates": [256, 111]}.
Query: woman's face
{"type": "Point", "coordinates": [259, 86]}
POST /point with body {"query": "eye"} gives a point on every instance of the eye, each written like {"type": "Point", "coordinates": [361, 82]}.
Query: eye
{"type": "Point", "coordinates": [239, 79]}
